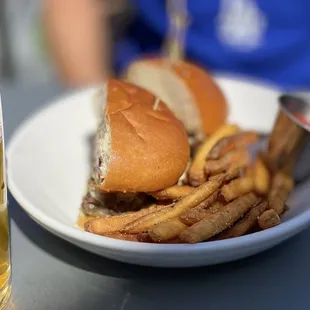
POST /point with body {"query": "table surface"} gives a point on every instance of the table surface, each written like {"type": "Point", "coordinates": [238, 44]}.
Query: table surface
{"type": "Point", "coordinates": [49, 273]}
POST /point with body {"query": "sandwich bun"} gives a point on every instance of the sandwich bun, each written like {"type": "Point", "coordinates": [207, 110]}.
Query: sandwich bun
{"type": "Point", "coordinates": [140, 145]}
{"type": "Point", "coordinates": [189, 91]}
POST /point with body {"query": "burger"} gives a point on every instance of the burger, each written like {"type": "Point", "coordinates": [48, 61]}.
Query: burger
{"type": "Point", "coordinates": [188, 90]}
{"type": "Point", "coordinates": [140, 147]}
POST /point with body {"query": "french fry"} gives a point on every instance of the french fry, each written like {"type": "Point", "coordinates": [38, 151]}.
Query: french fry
{"type": "Point", "coordinates": [231, 143]}
{"type": "Point", "coordinates": [174, 241]}
{"type": "Point", "coordinates": [144, 237]}
{"type": "Point", "coordinates": [261, 177]}
{"type": "Point", "coordinates": [121, 236]}
{"type": "Point", "coordinates": [196, 214]}
{"type": "Point", "coordinates": [245, 224]}
{"type": "Point", "coordinates": [172, 193]}
{"type": "Point", "coordinates": [167, 230]}
{"type": "Point", "coordinates": [277, 198]}
{"type": "Point", "coordinates": [214, 177]}
{"type": "Point", "coordinates": [277, 201]}
{"type": "Point", "coordinates": [199, 214]}
{"type": "Point", "coordinates": [198, 195]}
{"type": "Point", "coordinates": [283, 181]}
{"type": "Point", "coordinates": [237, 188]}
{"type": "Point", "coordinates": [237, 159]}
{"type": "Point", "coordinates": [109, 224]}
{"type": "Point", "coordinates": [196, 171]}
{"type": "Point", "coordinates": [233, 172]}
{"type": "Point", "coordinates": [216, 223]}
{"type": "Point", "coordinates": [269, 219]}
{"type": "Point", "coordinates": [249, 171]}
{"type": "Point", "coordinates": [282, 185]}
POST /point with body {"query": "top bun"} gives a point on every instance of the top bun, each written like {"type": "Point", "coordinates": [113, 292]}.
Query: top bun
{"type": "Point", "coordinates": [189, 92]}
{"type": "Point", "coordinates": [140, 146]}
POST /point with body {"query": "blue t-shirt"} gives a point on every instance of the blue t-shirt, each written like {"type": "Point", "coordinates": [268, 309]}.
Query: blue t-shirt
{"type": "Point", "coordinates": [265, 39]}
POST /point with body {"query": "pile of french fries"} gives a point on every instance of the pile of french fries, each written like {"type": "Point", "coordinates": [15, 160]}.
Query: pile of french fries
{"type": "Point", "coordinates": [226, 194]}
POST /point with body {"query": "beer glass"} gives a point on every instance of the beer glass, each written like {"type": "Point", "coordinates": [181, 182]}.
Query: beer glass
{"type": "Point", "coordinates": [5, 265]}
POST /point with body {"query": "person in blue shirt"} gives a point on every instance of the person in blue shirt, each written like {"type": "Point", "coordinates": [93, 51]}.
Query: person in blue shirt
{"type": "Point", "coordinates": [268, 40]}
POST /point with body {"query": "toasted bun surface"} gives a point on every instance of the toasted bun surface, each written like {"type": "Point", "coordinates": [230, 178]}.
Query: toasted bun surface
{"type": "Point", "coordinates": [143, 146]}
{"type": "Point", "coordinates": [189, 91]}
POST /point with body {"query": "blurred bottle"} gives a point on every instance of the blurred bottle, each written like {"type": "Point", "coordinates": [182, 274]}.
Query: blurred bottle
{"type": "Point", "coordinates": [25, 39]}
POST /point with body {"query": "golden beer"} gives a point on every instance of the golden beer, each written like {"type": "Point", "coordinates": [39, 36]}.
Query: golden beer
{"type": "Point", "coordinates": [5, 267]}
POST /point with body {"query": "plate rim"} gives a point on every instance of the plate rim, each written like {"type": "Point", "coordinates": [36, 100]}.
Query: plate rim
{"type": "Point", "coordinates": [299, 222]}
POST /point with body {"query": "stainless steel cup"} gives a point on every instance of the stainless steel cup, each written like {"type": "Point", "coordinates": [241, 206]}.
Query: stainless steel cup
{"type": "Point", "coordinates": [289, 143]}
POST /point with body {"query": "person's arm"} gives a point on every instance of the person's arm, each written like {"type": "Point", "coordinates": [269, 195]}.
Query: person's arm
{"type": "Point", "coordinates": [77, 35]}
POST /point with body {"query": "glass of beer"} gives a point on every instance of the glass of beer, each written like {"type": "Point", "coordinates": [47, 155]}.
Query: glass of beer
{"type": "Point", "coordinates": [5, 264]}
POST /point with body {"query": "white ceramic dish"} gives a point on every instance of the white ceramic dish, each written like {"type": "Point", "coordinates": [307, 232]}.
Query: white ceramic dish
{"type": "Point", "coordinates": [48, 170]}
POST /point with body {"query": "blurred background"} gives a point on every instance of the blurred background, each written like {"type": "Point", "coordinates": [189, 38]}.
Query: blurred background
{"type": "Point", "coordinates": [22, 47]}
{"type": "Point", "coordinates": [24, 53]}
{"type": "Point", "coordinates": [239, 38]}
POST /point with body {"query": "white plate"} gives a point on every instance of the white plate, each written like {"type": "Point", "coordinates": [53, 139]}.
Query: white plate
{"type": "Point", "coordinates": [48, 170]}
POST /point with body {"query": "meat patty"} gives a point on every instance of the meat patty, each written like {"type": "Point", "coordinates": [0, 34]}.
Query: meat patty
{"type": "Point", "coordinates": [95, 203]}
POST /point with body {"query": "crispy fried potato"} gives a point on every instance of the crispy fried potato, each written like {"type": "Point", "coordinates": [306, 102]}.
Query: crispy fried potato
{"type": "Point", "coordinates": [143, 223]}
{"type": "Point", "coordinates": [172, 193]}
{"type": "Point", "coordinates": [144, 237]}
{"type": "Point", "coordinates": [261, 177]}
{"type": "Point", "coordinates": [214, 177]}
{"type": "Point", "coordinates": [199, 214]}
{"type": "Point", "coordinates": [233, 172]}
{"type": "Point", "coordinates": [198, 195]}
{"type": "Point", "coordinates": [196, 171]}
{"type": "Point", "coordinates": [103, 225]}
{"type": "Point", "coordinates": [237, 159]}
{"type": "Point", "coordinates": [174, 241]}
{"type": "Point", "coordinates": [249, 171]}
{"type": "Point", "coordinates": [121, 236]}
{"type": "Point", "coordinates": [281, 186]}
{"type": "Point", "coordinates": [276, 200]}
{"type": "Point", "coordinates": [237, 188]}
{"type": "Point", "coordinates": [245, 224]}
{"type": "Point", "coordinates": [269, 219]}
{"type": "Point", "coordinates": [216, 223]}
{"type": "Point", "coordinates": [283, 181]}
{"type": "Point", "coordinates": [167, 230]}
{"type": "Point", "coordinates": [231, 143]}
{"type": "Point", "coordinates": [196, 214]}
{"type": "Point", "coordinates": [82, 219]}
